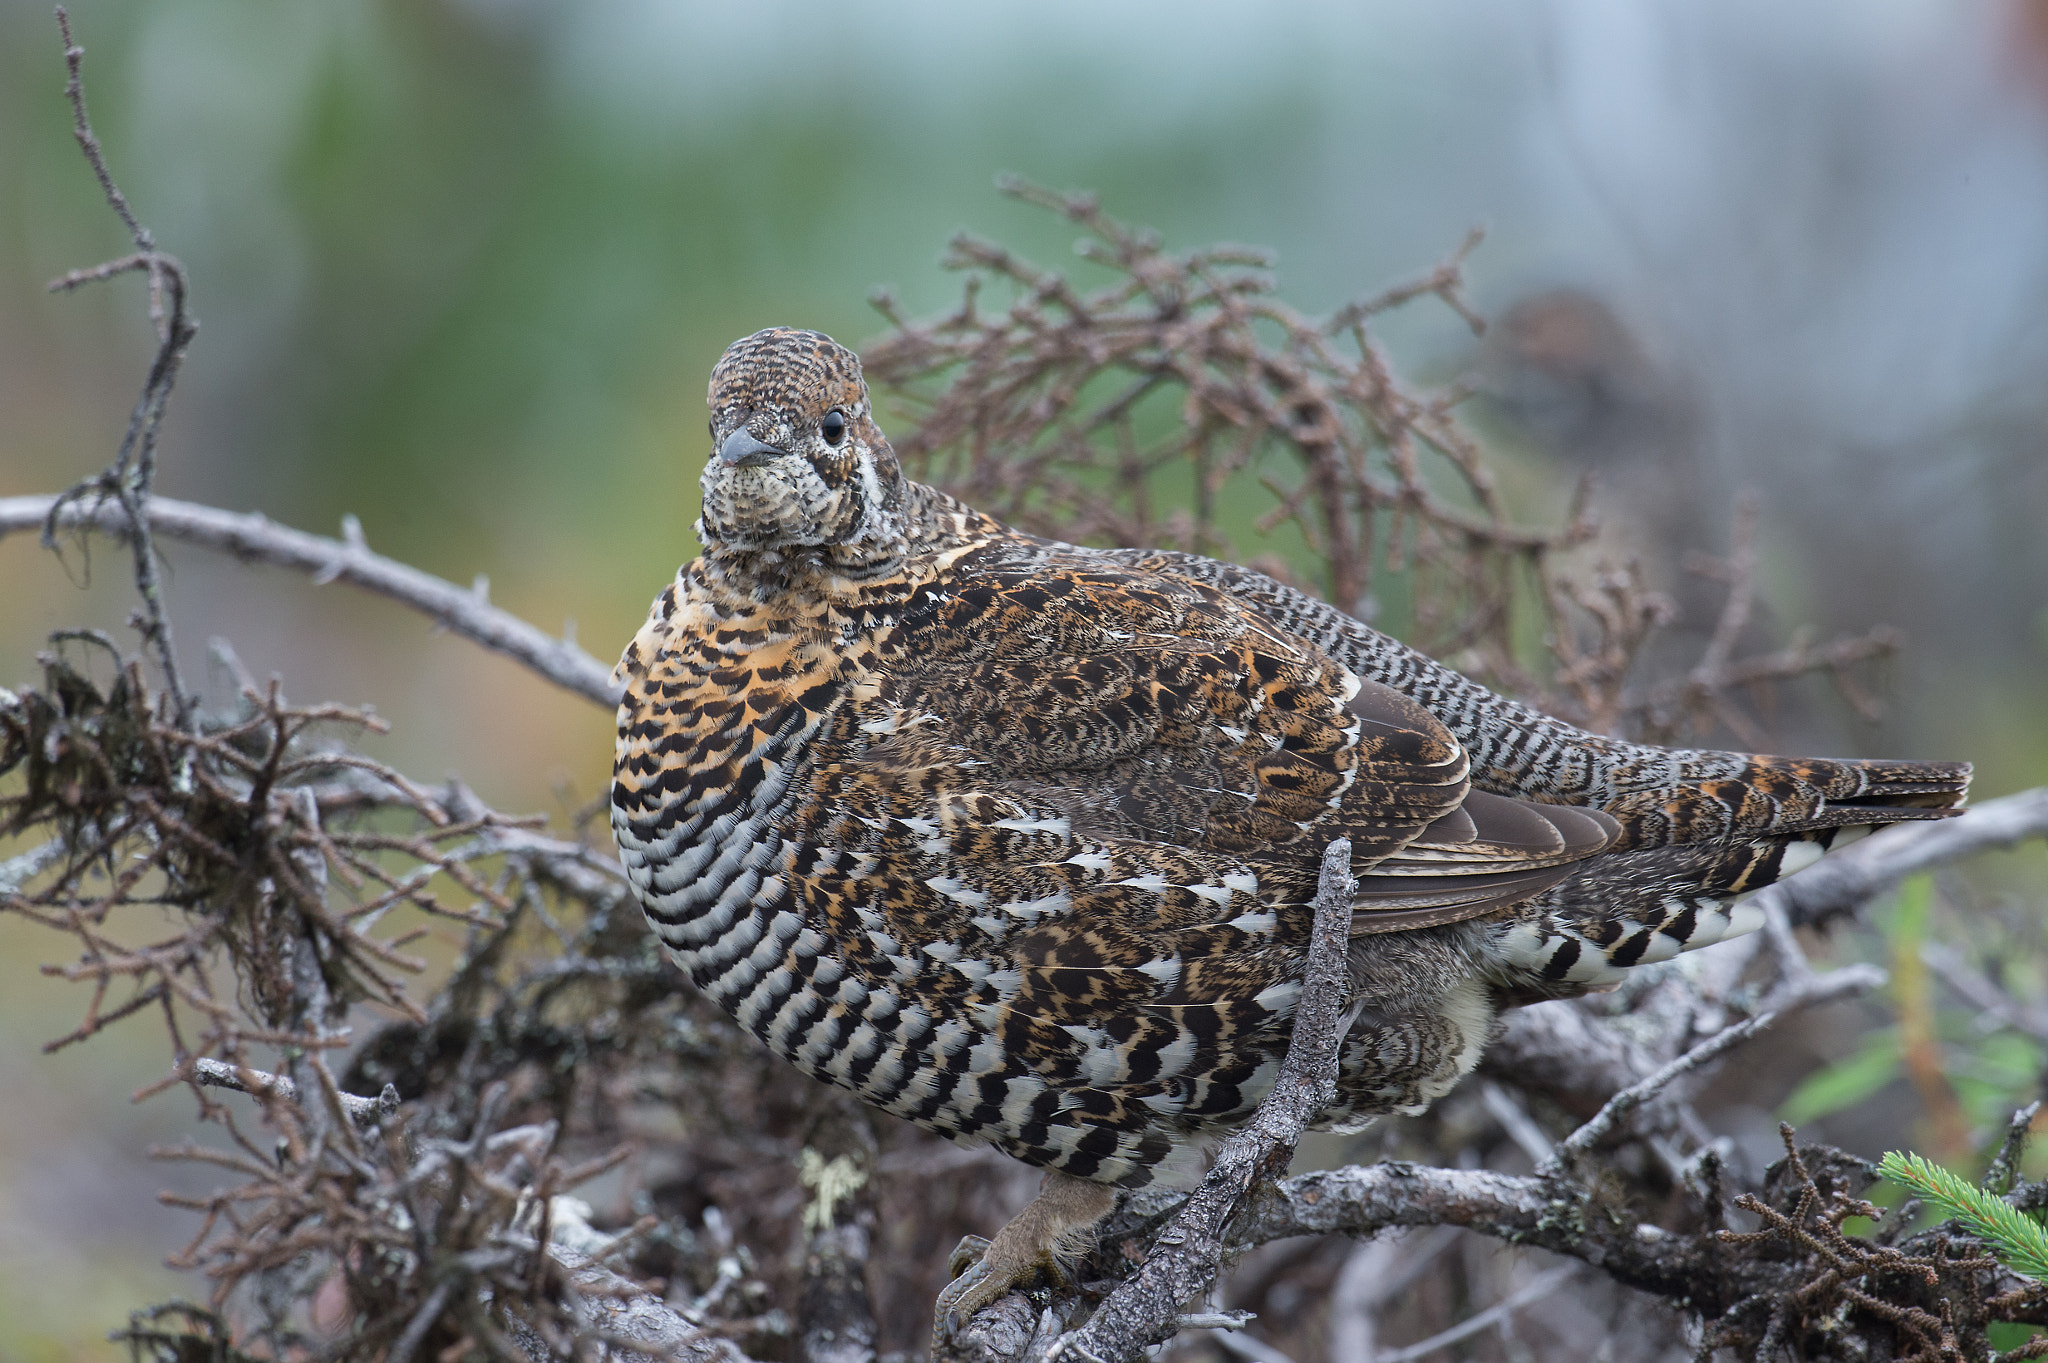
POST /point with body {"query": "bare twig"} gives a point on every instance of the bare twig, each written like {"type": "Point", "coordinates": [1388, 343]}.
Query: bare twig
{"type": "Point", "coordinates": [1520, 1127]}
{"type": "Point", "coordinates": [1538, 1287]}
{"type": "Point", "coordinates": [256, 539]}
{"type": "Point", "coordinates": [2005, 1165]}
{"type": "Point", "coordinates": [1375, 1273]}
{"type": "Point", "coordinates": [1044, 419]}
{"type": "Point", "coordinates": [1994, 1006]}
{"type": "Point", "coordinates": [218, 1074]}
{"type": "Point", "coordinates": [1243, 1345]}
{"type": "Point", "coordinates": [1081, 414]}
{"type": "Point", "coordinates": [128, 480]}
{"type": "Point", "coordinates": [1823, 989]}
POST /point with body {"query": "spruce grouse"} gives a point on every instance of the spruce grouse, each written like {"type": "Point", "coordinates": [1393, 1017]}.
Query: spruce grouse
{"type": "Point", "coordinates": [1016, 839]}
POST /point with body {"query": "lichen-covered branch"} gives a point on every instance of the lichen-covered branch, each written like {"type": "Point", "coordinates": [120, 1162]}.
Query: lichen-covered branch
{"type": "Point", "coordinates": [365, 1111]}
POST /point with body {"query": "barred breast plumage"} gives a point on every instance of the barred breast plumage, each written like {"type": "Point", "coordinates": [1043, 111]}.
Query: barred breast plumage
{"type": "Point", "coordinates": [1015, 839]}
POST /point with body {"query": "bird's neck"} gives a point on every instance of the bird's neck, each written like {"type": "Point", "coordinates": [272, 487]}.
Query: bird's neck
{"type": "Point", "coordinates": [932, 530]}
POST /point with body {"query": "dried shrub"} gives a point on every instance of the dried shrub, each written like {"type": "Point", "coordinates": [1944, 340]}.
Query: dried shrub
{"type": "Point", "coordinates": [229, 821]}
{"type": "Point", "coordinates": [1152, 411]}
{"type": "Point", "coordinates": [1929, 1297]}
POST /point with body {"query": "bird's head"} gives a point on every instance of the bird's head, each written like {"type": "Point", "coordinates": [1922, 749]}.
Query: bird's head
{"type": "Point", "coordinates": [797, 462]}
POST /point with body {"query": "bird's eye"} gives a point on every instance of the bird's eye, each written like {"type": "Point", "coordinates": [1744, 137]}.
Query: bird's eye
{"type": "Point", "coordinates": [833, 427]}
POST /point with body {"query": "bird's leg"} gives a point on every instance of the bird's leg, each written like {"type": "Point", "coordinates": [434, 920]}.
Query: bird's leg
{"type": "Point", "coordinates": [1039, 1242]}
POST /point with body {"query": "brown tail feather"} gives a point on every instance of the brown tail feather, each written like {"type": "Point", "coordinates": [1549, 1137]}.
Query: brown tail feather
{"type": "Point", "coordinates": [1785, 795]}
{"type": "Point", "coordinates": [1878, 782]}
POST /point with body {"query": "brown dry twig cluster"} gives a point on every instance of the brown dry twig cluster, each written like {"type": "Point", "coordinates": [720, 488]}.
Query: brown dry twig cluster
{"type": "Point", "coordinates": [1166, 407]}
{"type": "Point", "coordinates": [1931, 1294]}
{"type": "Point", "coordinates": [1186, 362]}
{"type": "Point", "coordinates": [296, 873]}
{"type": "Point", "coordinates": [231, 823]}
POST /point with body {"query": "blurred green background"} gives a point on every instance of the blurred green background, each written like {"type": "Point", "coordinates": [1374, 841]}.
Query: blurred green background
{"type": "Point", "coordinates": [463, 267]}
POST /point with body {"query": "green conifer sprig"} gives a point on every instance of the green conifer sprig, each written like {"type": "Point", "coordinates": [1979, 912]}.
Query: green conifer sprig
{"type": "Point", "coordinates": [2020, 1242]}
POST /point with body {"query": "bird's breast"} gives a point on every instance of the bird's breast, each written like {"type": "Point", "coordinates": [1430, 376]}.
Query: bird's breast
{"type": "Point", "coordinates": [714, 732]}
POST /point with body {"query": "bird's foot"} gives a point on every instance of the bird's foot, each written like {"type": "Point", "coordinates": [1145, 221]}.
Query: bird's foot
{"type": "Point", "coordinates": [1036, 1246]}
{"type": "Point", "coordinates": [981, 1279]}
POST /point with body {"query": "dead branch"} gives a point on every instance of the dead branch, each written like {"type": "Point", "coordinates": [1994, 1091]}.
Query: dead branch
{"type": "Point", "coordinates": [128, 480]}
{"type": "Point", "coordinates": [364, 1111]}
{"type": "Point", "coordinates": [1031, 410]}
{"type": "Point", "coordinates": [1602, 1125]}
{"type": "Point", "coordinates": [1154, 411]}
{"type": "Point", "coordinates": [633, 1325]}
{"type": "Point", "coordinates": [254, 538]}
{"type": "Point", "coordinates": [1539, 1287]}
{"type": "Point", "coordinates": [619, 1316]}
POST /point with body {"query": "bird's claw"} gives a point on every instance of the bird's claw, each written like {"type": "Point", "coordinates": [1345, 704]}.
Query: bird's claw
{"type": "Point", "coordinates": [966, 1254]}
{"type": "Point", "coordinates": [978, 1283]}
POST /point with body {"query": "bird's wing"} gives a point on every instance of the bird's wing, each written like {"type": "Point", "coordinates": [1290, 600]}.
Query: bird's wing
{"type": "Point", "coordinates": [1147, 706]}
{"type": "Point", "coordinates": [1489, 853]}
{"type": "Point", "coordinates": [1660, 796]}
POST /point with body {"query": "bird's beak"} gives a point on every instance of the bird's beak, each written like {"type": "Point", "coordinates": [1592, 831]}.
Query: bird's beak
{"type": "Point", "coordinates": [742, 451]}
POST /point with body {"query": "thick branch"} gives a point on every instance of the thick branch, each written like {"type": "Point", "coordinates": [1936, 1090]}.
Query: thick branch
{"type": "Point", "coordinates": [1548, 1213]}
{"type": "Point", "coordinates": [254, 538]}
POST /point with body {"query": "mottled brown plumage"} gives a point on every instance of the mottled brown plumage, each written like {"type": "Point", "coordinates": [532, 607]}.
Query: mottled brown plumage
{"type": "Point", "coordinates": [1016, 839]}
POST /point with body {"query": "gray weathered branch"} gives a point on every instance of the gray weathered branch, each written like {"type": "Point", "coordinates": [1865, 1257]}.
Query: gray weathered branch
{"type": "Point", "coordinates": [633, 1325]}
{"type": "Point", "coordinates": [254, 538]}
{"type": "Point", "coordinates": [241, 1079]}
{"type": "Point", "coordinates": [1527, 1209]}
{"type": "Point", "coordinates": [1836, 984]}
